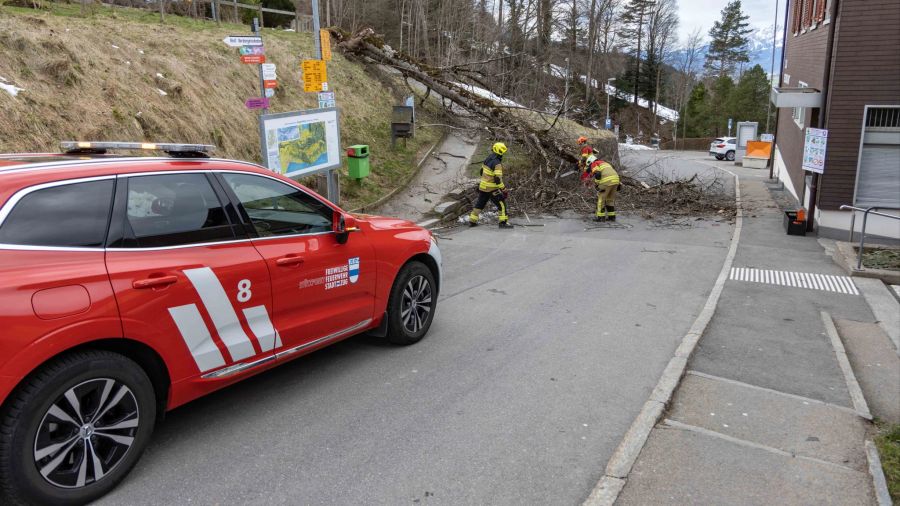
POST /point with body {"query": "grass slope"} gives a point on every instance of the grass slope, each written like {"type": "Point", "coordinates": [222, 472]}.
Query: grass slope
{"type": "Point", "coordinates": [96, 78]}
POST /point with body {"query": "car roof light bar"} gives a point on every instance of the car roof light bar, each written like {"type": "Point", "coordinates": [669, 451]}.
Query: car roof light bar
{"type": "Point", "coordinates": [175, 150]}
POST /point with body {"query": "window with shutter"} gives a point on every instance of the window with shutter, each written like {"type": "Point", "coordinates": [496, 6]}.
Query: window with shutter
{"type": "Point", "coordinates": [796, 15]}
{"type": "Point", "coordinates": [878, 178]}
{"type": "Point", "coordinates": [807, 14]}
{"type": "Point", "coordinates": [820, 11]}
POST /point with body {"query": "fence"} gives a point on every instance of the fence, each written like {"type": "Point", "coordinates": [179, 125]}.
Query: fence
{"type": "Point", "coordinates": [690, 144]}
{"type": "Point", "coordinates": [218, 10]}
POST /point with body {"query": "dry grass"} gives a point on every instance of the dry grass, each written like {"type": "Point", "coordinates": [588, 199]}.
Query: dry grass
{"type": "Point", "coordinates": [96, 78]}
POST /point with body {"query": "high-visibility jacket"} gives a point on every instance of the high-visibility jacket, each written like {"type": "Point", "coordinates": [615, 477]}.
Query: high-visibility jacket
{"type": "Point", "coordinates": [491, 174]}
{"type": "Point", "coordinates": [603, 172]}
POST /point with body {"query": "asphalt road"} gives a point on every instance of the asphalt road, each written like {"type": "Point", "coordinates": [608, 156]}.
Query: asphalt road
{"type": "Point", "coordinates": [546, 343]}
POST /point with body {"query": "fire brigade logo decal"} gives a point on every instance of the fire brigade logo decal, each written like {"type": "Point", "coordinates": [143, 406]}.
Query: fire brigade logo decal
{"type": "Point", "coordinates": [353, 264]}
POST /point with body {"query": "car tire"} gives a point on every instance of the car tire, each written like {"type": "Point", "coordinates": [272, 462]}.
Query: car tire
{"type": "Point", "coordinates": [74, 429]}
{"type": "Point", "coordinates": [412, 304]}
{"type": "Point", "coordinates": [720, 157]}
{"type": "Point", "coordinates": [729, 156]}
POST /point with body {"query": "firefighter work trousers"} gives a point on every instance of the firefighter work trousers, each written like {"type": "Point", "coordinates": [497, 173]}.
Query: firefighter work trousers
{"type": "Point", "coordinates": [497, 198]}
{"type": "Point", "coordinates": [606, 200]}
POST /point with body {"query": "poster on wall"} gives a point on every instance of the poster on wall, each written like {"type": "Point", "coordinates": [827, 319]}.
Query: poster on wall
{"type": "Point", "coordinates": [814, 150]}
{"type": "Point", "coordinates": [301, 143]}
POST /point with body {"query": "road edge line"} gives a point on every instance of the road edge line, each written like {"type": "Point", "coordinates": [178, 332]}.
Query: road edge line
{"type": "Point", "coordinates": [879, 483]}
{"type": "Point", "coordinates": [856, 395]}
{"type": "Point", "coordinates": [620, 464]}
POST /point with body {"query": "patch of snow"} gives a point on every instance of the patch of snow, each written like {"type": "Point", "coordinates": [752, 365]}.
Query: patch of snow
{"type": "Point", "coordinates": [114, 46]}
{"type": "Point", "coordinates": [161, 92]}
{"type": "Point", "coordinates": [9, 88]}
{"type": "Point", "coordinates": [289, 30]}
{"type": "Point", "coordinates": [634, 147]}
{"type": "Point", "coordinates": [661, 110]}
{"type": "Point", "coordinates": [141, 51]}
{"type": "Point", "coordinates": [127, 62]}
{"type": "Point", "coordinates": [483, 93]}
{"type": "Point", "coordinates": [160, 75]}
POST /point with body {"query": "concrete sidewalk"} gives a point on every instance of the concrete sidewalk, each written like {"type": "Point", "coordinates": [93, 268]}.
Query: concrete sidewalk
{"type": "Point", "coordinates": [764, 414]}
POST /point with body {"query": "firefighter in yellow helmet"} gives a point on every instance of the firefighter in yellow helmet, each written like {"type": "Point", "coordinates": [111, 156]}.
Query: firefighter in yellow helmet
{"type": "Point", "coordinates": [607, 180]}
{"type": "Point", "coordinates": [491, 187]}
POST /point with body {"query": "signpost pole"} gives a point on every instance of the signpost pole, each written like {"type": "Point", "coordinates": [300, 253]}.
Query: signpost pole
{"type": "Point", "coordinates": [262, 87]}
{"type": "Point", "coordinates": [331, 177]}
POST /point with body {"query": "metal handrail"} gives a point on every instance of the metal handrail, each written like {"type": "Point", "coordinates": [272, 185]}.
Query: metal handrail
{"type": "Point", "coordinates": [862, 237]}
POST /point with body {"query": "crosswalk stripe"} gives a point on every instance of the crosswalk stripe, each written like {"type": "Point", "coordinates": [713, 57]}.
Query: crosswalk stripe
{"type": "Point", "coordinates": [808, 280]}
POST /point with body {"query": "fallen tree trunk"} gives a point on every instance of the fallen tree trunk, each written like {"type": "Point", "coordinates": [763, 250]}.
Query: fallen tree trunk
{"type": "Point", "coordinates": [543, 142]}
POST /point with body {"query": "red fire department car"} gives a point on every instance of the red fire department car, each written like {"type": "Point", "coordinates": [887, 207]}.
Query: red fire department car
{"type": "Point", "coordinates": [133, 285]}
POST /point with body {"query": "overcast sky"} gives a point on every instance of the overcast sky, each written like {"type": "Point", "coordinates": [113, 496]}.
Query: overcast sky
{"type": "Point", "coordinates": [703, 13]}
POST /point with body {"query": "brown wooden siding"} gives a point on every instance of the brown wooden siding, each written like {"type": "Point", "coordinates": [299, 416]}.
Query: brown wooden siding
{"type": "Point", "coordinates": [865, 71]}
{"type": "Point", "coordinates": [805, 56]}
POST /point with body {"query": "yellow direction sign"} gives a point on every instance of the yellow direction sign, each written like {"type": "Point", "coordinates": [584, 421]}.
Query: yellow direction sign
{"type": "Point", "coordinates": [314, 74]}
{"type": "Point", "coordinates": [325, 42]}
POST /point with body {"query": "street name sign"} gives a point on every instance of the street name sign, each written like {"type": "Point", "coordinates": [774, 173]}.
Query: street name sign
{"type": "Point", "coordinates": [242, 40]}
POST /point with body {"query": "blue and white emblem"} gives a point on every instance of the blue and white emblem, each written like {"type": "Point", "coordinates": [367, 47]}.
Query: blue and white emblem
{"type": "Point", "coordinates": [353, 265]}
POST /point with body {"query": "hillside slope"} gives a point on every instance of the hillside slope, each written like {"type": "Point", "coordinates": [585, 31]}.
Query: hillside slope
{"type": "Point", "coordinates": [120, 75]}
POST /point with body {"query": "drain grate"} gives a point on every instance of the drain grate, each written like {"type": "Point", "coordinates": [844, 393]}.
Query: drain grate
{"type": "Point", "coordinates": [826, 282]}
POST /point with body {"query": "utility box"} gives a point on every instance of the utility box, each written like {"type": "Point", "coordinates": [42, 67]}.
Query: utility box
{"type": "Point", "coordinates": [401, 123]}
{"type": "Point", "coordinates": [746, 131]}
{"type": "Point", "coordinates": [358, 161]}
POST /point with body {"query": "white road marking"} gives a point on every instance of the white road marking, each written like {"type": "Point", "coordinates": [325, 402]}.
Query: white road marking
{"type": "Point", "coordinates": [812, 281]}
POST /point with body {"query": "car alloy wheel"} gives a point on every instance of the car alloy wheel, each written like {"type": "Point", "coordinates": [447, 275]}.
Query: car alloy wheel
{"type": "Point", "coordinates": [415, 305]}
{"type": "Point", "coordinates": [86, 433]}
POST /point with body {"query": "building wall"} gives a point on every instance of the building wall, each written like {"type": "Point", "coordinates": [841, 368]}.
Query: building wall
{"type": "Point", "coordinates": [865, 71]}
{"type": "Point", "coordinates": [805, 58]}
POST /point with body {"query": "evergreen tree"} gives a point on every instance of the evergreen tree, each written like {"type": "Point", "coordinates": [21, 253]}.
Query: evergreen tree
{"type": "Point", "coordinates": [748, 100]}
{"type": "Point", "coordinates": [728, 44]}
{"type": "Point", "coordinates": [633, 21]}
{"type": "Point", "coordinates": [696, 113]}
{"type": "Point", "coordinates": [719, 111]}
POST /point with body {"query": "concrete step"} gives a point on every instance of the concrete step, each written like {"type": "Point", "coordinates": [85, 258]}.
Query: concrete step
{"type": "Point", "coordinates": [885, 307]}
{"type": "Point", "coordinates": [684, 465]}
{"type": "Point", "coordinates": [875, 364]}
{"type": "Point", "coordinates": [789, 423]}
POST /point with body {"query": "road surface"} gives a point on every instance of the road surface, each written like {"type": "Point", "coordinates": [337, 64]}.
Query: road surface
{"type": "Point", "coordinates": [546, 343]}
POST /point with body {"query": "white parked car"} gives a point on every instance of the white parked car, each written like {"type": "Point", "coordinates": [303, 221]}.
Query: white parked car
{"type": "Point", "coordinates": [723, 148]}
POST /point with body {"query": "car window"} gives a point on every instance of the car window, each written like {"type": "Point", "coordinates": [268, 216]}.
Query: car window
{"type": "Point", "coordinates": [175, 209]}
{"type": "Point", "coordinates": [276, 208]}
{"type": "Point", "coordinates": [732, 141]}
{"type": "Point", "coordinates": [717, 141]}
{"type": "Point", "coordinates": [70, 215]}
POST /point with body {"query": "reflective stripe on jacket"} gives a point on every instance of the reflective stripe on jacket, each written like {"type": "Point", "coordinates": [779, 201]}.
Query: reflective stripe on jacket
{"type": "Point", "coordinates": [491, 174]}
{"type": "Point", "coordinates": [604, 174]}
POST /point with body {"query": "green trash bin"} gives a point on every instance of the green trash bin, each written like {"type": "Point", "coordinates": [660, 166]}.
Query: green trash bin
{"type": "Point", "coordinates": [358, 161]}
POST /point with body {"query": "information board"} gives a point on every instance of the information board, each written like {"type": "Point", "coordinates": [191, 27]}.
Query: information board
{"type": "Point", "coordinates": [301, 143]}
{"type": "Point", "coordinates": [814, 150]}
{"type": "Point", "coordinates": [314, 74]}
{"type": "Point", "coordinates": [325, 39]}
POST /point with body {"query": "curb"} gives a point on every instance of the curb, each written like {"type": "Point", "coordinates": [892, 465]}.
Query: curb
{"type": "Point", "coordinates": [620, 464]}
{"type": "Point", "coordinates": [856, 395]}
{"type": "Point", "coordinates": [878, 481]}
{"type": "Point", "coordinates": [402, 186]}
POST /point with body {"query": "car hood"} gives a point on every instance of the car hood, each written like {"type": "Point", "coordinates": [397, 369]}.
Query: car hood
{"type": "Point", "coordinates": [385, 223]}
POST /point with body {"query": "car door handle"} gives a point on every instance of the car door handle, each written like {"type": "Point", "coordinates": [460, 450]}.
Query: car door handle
{"type": "Point", "coordinates": [289, 261]}
{"type": "Point", "coordinates": [154, 282]}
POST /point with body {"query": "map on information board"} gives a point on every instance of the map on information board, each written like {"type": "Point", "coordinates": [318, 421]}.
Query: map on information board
{"type": "Point", "coordinates": [301, 143]}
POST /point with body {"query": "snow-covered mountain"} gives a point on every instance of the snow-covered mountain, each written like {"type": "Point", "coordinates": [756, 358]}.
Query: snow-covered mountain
{"type": "Point", "coordinates": [759, 49]}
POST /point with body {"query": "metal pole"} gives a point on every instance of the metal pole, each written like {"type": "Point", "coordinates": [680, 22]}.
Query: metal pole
{"type": "Point", "coordinates": [862, 240]}
{"type": "Point", "coordinates": [262, 85]}
{"type": "Point", "coordinates": [316, 27]}
{"type": "Point", "coordinates": [772, 66]}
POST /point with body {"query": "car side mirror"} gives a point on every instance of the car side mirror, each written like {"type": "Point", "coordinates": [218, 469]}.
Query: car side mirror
{"type": "Point", "coordinates": [344, 224]}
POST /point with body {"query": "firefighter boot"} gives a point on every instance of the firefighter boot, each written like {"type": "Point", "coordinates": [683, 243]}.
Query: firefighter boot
{"type": "Point", "coordinates": [610, 213]}
{"type": "Point", "coordinates": [505, 225]}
